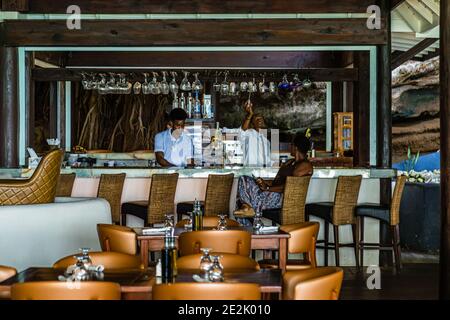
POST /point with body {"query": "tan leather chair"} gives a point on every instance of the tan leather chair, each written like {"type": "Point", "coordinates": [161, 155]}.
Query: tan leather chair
{"type": "Point", "coordinates": [6, 273]}
{"type": "Point", "coordinates": [110, 260]}
{"type": "Point", "coordinates": [65, 183]}
{"type": "Point", "coordinates": [57, 290]}
{"type": "Point", "coordinates": [39, 189]}
{"type": "Point", "coordinates": [210, 222]}
{"type": "Point", "coordinates": [230, 241]}
{"type": "Point", "coordinates": [302, 241]}
{"type": "Point", "coordinates": [230, 262]}
{"type": "Point", "coordinates": [207, 291]}
{"type": "Point", "coordinates": [313, 284]}
{"type": "Point", "coordinates": [117, 239]}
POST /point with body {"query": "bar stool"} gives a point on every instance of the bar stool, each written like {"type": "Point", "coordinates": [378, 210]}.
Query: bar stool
{"type": "Point", "coordinates": [161, 201]}
{"type": "Point", "coordinates": [65, 183]}
{"type": "Point", "coordinates": [385, 214]}
{"type": "Point", "coordinates": [110, 189]}
{"type": "Point", "coordinates": [338, 213]}
{"type": "Point", "coordinates": [217, 199]}
{"type": "Point", "coordinates": [294, 200]}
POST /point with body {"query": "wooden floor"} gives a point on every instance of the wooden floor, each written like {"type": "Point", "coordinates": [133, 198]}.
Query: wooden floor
{"type": "Point", "coordinates": [416, 281]}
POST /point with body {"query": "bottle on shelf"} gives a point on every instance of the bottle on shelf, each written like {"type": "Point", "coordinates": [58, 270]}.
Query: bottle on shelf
{"type": "Point", "coordinates": [197, 106]}
{"type": "Point", "coordinates": [190, 104]}
{"type": "Point", "coordinates": [313, 151]}
{"type": "Point", "coordinates": [182, 102]}
{"type": "Point", "coordinates": [197, 217]}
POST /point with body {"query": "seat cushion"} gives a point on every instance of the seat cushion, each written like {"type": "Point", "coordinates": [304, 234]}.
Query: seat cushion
{"type": "Point", "coordinates": [291, 264]}
{"type": "Point", "coordinates": [374, 210]}
{"type": "Point", "coordinates": [136, 208]}
{"type": "Point", "coordinates": [273, 214]}
{"type": "Point", "coordinates": [187, 206]}
{"type": "Point", "coordinates": [322, 210]}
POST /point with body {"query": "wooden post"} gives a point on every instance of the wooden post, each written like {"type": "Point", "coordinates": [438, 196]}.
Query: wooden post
{"type": "Point", "coordinates": [361, 111]}
{"type": "Point", "coordinates": [29, 100]}
{"type": "Point", "coordinates": [384, 124]}
{"type": "Point", "coordinates": [444, 283]}
{"type": "Point", "coordinates": [62, 113]}
{"type": "Point", "coordinates": [9, 110]}
{"type": "Point", "coordinates": [53, 117]}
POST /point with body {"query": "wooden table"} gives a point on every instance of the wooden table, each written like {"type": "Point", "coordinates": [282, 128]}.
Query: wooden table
{"type": "Point", "coordinates": [138, 284]}
{"type": "Point", "coordinates": [260, 241]}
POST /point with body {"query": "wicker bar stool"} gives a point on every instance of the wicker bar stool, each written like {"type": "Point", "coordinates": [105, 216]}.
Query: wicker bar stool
{"type": "Point", "coordinates": [294, 200]}
{"type": "Point", "coordinates": [217, 199]}
{"type": "Point", "coordinates": [110, 189]}
{"type": "Point", "coordinates": [338, 213]}
{"type": "Point", "coordinates": [385, 214]}
{"type": "Point", "coordinates": [65, 183]}
{"type": "Point", "coordinates": [161, 200]}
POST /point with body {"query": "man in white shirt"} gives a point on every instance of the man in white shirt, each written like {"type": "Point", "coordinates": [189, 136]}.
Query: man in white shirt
{"type": "Point", "coordinates": [255, 145]}
{"type": "Point", "coordinates": [173, 147]}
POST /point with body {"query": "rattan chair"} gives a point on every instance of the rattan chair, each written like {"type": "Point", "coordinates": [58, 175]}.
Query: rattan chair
{"type": "Point", "coordinates": [217, 199]}
{"type": "Point", "coordinates": [313, 284]}
{"type": "Point", "coordinates": [110, 260]}
{"type": "Point", "coordinates": [230, 263]}
{"type": "Point", "coordinates": [294, 200]}
{"type": "Point", "coordinates": [389, 215]}
{"type": "Point", "coordinates": [65, 183]}
{"type": "Point", "coordinates": [6, 273]}
{"type": "Point", "coordinates": [110, 188]}
{"type": "Point", "coordinates": [162, 200]}
{"type": "Point", "coordinates": [230, 241]}
{"type": "Point", "coordinates": [338, 213]}
{"type": "Point", "coordinates": [117, 239]}
{"type": "Point", "coordinates": [210, 222]}
{"type": "Point", "coordinates": [207, 291]}
{"type": "Point", "coordinates": [302, 241]}
{"type": "Point", "coordinates": [39, 189]}
{"type": "Point", "coordinates": [57, 290]}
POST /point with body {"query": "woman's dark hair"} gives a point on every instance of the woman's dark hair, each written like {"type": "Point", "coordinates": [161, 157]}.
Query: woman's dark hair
{"type": "Point", "coordinates": [178, 114]}
{"type": "Point", "coordinates": [302, 143]}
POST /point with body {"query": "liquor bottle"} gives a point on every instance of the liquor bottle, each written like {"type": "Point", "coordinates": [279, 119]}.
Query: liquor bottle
{"type": "Point", "coordinates": [182, 102]}
{"type": "Point", "coordinates": [197, 107]}
{"type": "Point", "coordinates": [189, 105]}
{"type": "Point", "coordinates": [169, 258]}
{"type": "Point", "coordinates": [175, 102]}
{"type": "Point", "coordinates": [207, 106]}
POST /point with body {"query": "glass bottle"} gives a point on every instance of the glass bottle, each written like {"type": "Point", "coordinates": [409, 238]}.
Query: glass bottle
{"type": "Point", "coordinates": [169, 258]}
{"type": "Point", "coordinates": [190, 105]}
{"type": "Point", "coordinates": [197, 217]}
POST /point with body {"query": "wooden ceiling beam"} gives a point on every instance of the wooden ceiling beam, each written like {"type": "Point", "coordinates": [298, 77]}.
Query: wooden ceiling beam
{"type": "Point", "coordinates": [201, 6]}
{"type": "Point", "coordinates": [396, 3]}
{"type": "Point", "coordinates": [407, 55]}
{"type": "Point", "coordinates": [15, 5]}
{"type": "Point", "coordinates": [230, 32]}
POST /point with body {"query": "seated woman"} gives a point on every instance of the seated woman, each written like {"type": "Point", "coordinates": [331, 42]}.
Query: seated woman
{"type": "Point", "coordinates": [258, 194]}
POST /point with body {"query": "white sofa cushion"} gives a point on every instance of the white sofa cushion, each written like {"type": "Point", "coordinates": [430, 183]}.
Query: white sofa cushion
{"type": "Point", "coordinates": [39, 235]}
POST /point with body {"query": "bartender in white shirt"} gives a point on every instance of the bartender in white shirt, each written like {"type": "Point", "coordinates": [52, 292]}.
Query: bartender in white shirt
{"type": "Point", "coordinates": [255, 145]}
{"type": "Point", "coordinates": [173, 147]}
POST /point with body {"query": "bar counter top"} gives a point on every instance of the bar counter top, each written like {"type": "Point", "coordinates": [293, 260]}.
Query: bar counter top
{"type": "Point", "coordinates": [267, 173]}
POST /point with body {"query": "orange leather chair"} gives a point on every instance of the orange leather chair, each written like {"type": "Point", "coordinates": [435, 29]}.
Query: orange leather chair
{"type": "Point", "coordinates": [39, 189]}
{"type": "Point", "coordinates": [313, 284]}
{"type": "Point", "coordinates": [210, 222]}
{"type": "Point", "coordinates": [110, 260]}
{"type": "Point", "coordinates": [302, 241]}
{"type": "Point", "coordinates": [230, 241]}
{"type": "Point", "coordinates": [115, 238]}
{"type": "Point", "coordinates": [207, 291]}
{"type": "Point", "coordinates": [230, 262]}
{"type": "Point", "coordinates": [57, 290]}
{"type": "Point", "coordinates": [6, 273]}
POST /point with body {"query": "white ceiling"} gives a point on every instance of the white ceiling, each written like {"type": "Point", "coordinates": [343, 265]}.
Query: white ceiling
{"type": "Point", "coordinates": [412, 22]}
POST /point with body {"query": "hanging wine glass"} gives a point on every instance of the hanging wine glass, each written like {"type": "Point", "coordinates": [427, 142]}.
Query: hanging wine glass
{"type": "Point", "coordinates": [146, 85]}
{"type": "Point", "coordinates": [225, 86]}
{"type": "Point", "coordinates": [102, 86]}
{"type": "Point", "coordinates": [111, 85]}
{"type": "Point", "coordinates": [243, 86]}
{"type": "Point", "coordinates": [262, 85]}
{"type": "Point", "coordinates": [173, 86]}
{"type": "Point", "coordinates": [252, 87]}
{"type": "Point", "coordinates": [197, 85]}
{"type": "Point", "coordinates": [137, 87]}
{"type": "Point", "coordinates": [185, 84]}
{"type": "Point", "coordinates": [216, 85]}
{"type": "Point", "coordinates": [284, 84]}
{"type": "Point", "coordinates": [165, 89]}
{"type": "Point", "coordinates": [85, 81]}
{"type": "Point", "coordinates": [155, 86]}
{"type": "Point", "coordinates": [307, 83]}
{"type": "Point", "coordinates": [124, 85]}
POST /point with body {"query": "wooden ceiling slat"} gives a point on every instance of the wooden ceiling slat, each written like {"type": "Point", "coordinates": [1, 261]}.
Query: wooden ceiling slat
{"type": "Point", "coordinates": [231, 32]}
{"type": "Point", "coordinates": [418, 48]}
